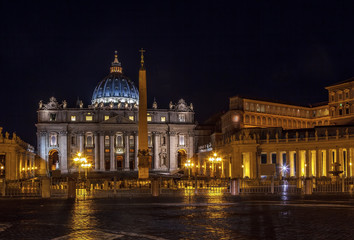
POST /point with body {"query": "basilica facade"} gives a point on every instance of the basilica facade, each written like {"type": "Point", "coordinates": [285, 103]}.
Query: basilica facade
{"type": "Point", "coordinates": [106, 131]}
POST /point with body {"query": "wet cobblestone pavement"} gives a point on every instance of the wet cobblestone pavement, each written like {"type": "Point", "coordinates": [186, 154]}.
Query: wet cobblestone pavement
{"type": "Point", "coordinates": [190, 217]}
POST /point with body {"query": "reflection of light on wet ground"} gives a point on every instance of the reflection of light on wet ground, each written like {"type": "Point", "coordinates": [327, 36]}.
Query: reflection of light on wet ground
{"type": "Point", "coordinates": [83, 219]}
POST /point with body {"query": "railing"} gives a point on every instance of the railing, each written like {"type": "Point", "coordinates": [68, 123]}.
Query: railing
{"type": "Point", "coordinates": [28, 188]}
{"type": "Point", "coordinates": [327, 185]}
{"type": "Point", "coordinates": [103, 188]}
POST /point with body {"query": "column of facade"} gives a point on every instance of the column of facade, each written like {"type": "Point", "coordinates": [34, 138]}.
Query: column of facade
{"type": "Point", "coordinates": [42, 153]}
{"type": "Point", "coordinates": [63, 145]}
{"type": "Point", "coordinates": [172, 148]}
{"type": "Point", "coordinates": [155, 147]}
{"type": "Point", "coordinates": [279, 164]}
{"type": "Point", "coordinates": [350, 160]}
{"type": "Point", "coordinates": [102, 163]}
{"type": "Point", "coordinates": [253, 164]}
{"type": "Point", "coordinates": [191, 144]}
{"type": "Point", "coordinates": [81, 142]}
{"type": "Point", "coordinates": [126, 152]}
{"type": "Point", "coordinates": [328, 161]}
{"type": "Point", "coordinates": [136, 152]}
{"type": "Point", "coordinates": [308, 163]}
{"type": "Point", "coordinates": [319, 169]}
{"type": "Point", "coordinates": [96, 152]}
{"type": "Point", "coordinates": [287, 159]}
{"type": "Point", "coordinates": [297, 163]}
{"type": "Point", "coordinates": [237, 170]}
{"type": "Point", "coordinates": [111, 153]}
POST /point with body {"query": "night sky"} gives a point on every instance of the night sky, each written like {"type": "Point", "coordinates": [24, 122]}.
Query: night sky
{"type": "Point", "coordinates": [202, 51]}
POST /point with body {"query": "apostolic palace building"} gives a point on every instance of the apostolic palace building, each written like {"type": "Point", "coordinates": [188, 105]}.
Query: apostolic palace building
{"type": "Point", "coordinates": [106, 131]}
{"type": "Point", "coordinates": [257, 138]}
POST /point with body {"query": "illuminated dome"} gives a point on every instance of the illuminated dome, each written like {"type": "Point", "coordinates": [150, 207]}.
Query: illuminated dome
{"type": "Point", "coordinates": [116, 88]}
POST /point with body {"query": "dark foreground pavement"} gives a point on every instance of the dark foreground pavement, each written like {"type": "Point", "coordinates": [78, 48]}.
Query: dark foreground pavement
{"type": "Point", "coordinates": [189, 217]}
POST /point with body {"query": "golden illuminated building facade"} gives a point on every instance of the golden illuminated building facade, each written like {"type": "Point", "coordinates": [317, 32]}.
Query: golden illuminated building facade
{"type": "Point", "coordinates": [17, 158]}
{"type": "Point", "coordinates": [261, 138]}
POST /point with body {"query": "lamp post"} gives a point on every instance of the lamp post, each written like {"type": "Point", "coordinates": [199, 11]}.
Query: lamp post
{"type": "Point", "coordinates": [86, 166]}
{"type": "Point", "coordinates": [189, 165]}
{"type": "Point", "coordinates": [80, 160]}
{"type": "Point", "coordinates": [214, 159]}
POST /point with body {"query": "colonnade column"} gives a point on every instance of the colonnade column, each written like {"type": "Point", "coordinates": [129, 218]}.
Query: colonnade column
{"type": "Point", "coordinates": [280, 164]}
{"type": "Point", "coordinates": [287, 173]}
{"type": "Point", "coordinates": [97, 159]}
{"type": "Point", "coordinates": [111, 153]}
{"type": "Point", "coordinates": [328, 160]}
{"type": "Point", "coordinates": [308, 163]}
{"type": "Point", "coordinates": [297, 163]}
{"type": "Point", "coordinates": [136, 143]}
{"type": "Point", "coordinates": [126, 152]}
{"type": "Point", "coordinates": [102, 165]}
{"type": "Point", "coordinates": [318, 163]}
{"type": "Point", "coordinates": [155, 146]}
{"type": "Point", "coordinates": [350, 160]}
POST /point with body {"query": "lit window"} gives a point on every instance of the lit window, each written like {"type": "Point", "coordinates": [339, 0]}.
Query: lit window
{"type": "Point", "coordinates": [131, 118]}
{"type": "Point", "coordinates": [163, 119]}
{"type": "Point", "coordinates": [106, 117]}
{"type": "Point", "coordinates": [53, 140]}
{"type": "Point", "coordinates": [149, 118]}
{"type": "Point", "coordinates": [181, 140]}
{"type": "Point", "coordinates": [88, 118]}
{"type": "Point", "coordinates": [73, 118]}
{"type": "Point", "coordinates": [181, 117]}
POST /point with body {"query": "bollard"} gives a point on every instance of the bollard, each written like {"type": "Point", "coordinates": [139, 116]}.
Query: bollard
{"type": "Point", "coordinates": [71, 188]}
{"type": "Point", "coordinates": [155, 188]}
{"type": "Point", "coordinates": [308, 186]}
{"type": "Point", "coordinates": [343, 186]}
{"type": "Point", "coordinates": [235, 186]}
{"type": "Point", "coordinates": [45, 188]}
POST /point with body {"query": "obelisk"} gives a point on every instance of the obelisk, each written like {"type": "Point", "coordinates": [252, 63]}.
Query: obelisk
{"type": "Point", "coordinates": [143, 152]}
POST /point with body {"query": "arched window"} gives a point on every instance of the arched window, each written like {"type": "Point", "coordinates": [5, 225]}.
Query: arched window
{"type": "Point", "coordinates": [89, 141]}
{"type": "Point", "coordinates": [119, 140]}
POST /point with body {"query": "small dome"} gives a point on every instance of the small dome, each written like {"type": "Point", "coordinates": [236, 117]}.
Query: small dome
{"type": "Point", "coordinates": [115, 88]}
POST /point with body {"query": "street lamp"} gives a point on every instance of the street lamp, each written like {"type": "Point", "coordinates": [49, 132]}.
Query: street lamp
{"type": "Point", "coordinates": [189, 165]}
{"type": "Point", "coordinates": [80, 160]}
{"type": "Point", "coordinates": [86, 166]}
{"type": "Point", "coordinates": [214, 159]}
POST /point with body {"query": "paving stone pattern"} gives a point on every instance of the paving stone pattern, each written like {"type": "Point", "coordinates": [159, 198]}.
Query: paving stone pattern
{"type": "Point", "coordinates": [180, 217]}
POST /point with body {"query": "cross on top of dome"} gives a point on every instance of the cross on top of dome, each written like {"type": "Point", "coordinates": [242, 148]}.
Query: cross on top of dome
{"type": "Point", "coordinates": [116, 66]}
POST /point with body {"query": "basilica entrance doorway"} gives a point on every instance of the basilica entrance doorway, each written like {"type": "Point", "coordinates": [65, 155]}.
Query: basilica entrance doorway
{"type": "Point", "coordinates": [181, 158]}
{"type": "Point", "coordinates": [53, 160]}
